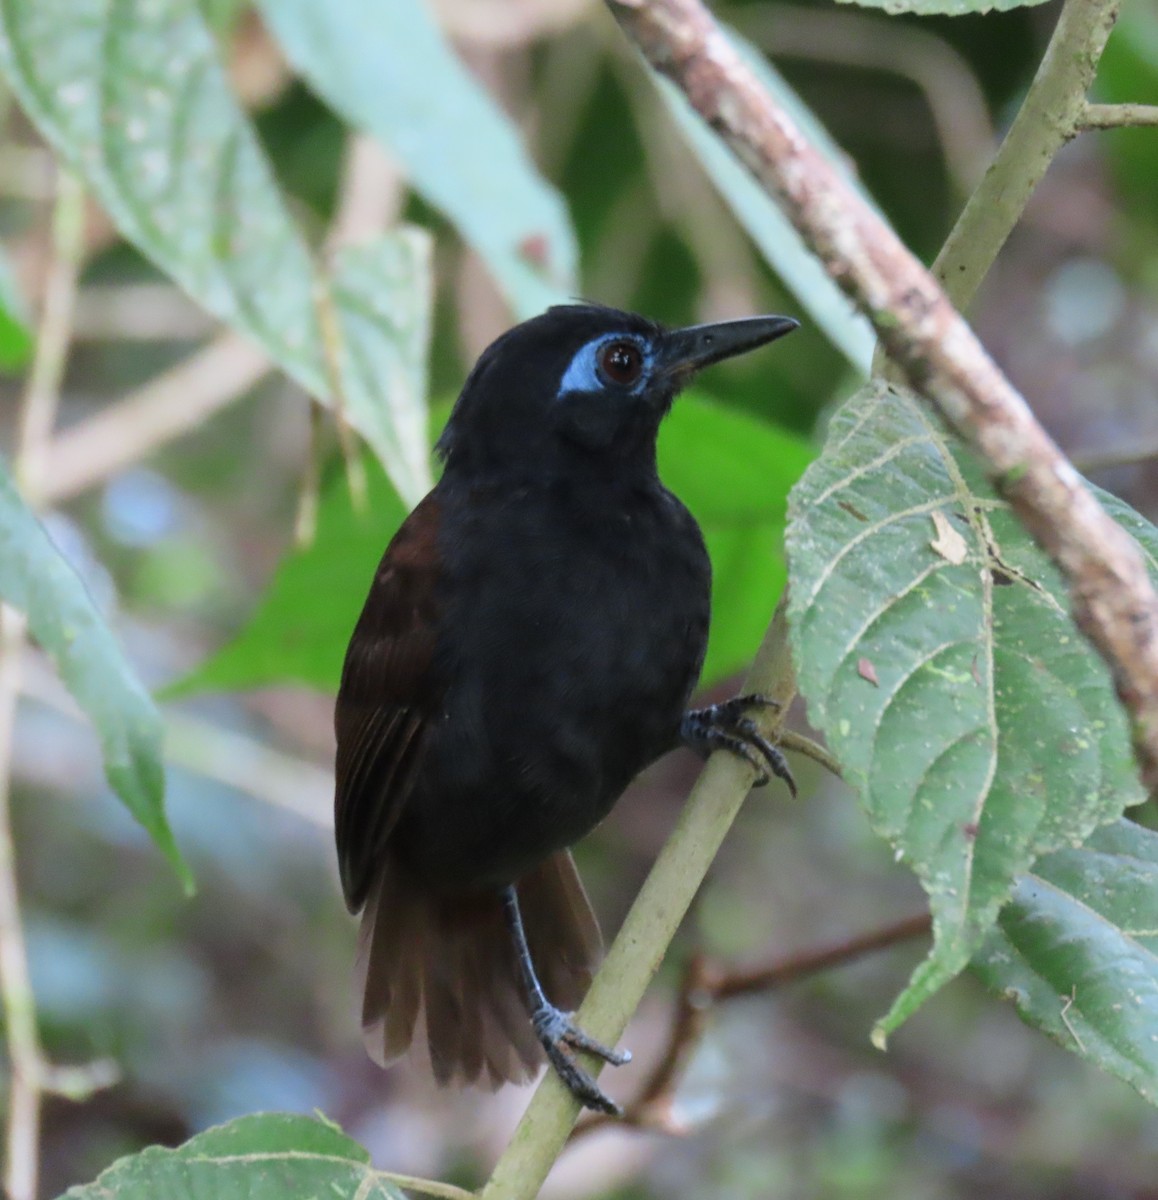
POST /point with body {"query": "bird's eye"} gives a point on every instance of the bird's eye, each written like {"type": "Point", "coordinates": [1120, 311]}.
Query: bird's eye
{"type": "Point", "coordinates": [621, 362]}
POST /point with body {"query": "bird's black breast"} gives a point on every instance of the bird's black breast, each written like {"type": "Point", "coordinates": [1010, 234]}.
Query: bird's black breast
{"type": "Point", "coordinates": [572, 631]}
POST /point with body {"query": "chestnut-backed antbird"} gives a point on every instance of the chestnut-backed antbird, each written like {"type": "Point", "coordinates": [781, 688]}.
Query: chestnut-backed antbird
{"type": "Point", "coordinates": [529, 644]}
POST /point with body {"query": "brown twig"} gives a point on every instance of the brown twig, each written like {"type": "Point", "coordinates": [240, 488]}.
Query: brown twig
{"type": "Point", "coordinates": [167, 407]}
{"type": "Point", "coordinates": [703, 988]}
{"type": "Point", "coordinates": [811, 962]}
{"type": "Point", "coordinates": [654, 1106]}
{"type": "Point", "coordinates": [938, 354]}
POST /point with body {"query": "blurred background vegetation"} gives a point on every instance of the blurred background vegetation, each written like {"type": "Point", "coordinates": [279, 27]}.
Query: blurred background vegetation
{"type": "Point", "coordinates": [242, 999]}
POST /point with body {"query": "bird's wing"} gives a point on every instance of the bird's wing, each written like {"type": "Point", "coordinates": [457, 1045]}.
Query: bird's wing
{"type": "Point", "coordinates": [385, 698]}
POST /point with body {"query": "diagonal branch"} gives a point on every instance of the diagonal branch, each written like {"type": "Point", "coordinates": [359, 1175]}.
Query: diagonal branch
{"type": "Point", "coordinates": [1112, 598]}
{"type": "Point", "coordinates": [647, 931]}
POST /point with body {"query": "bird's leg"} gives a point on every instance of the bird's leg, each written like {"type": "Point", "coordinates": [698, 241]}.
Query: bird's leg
{"type": "Point", "coordinates": [728, 727]}
{"type": "Point", "coordinates": [556, 1030]}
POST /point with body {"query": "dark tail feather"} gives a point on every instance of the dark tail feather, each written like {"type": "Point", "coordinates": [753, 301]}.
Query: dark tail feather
{"type": "Point", "coordinates": [449, 962]}
{"type": "Point", "coordinates": [562, 931]}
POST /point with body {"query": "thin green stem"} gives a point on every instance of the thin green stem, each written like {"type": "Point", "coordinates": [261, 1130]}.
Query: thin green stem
{"type": "Point", "coordinates": [647, 932]}
{"type": "Point", "coordinates": [1117, 116]}
{"type": "Point", "coordinates": [30, 1074]}
{"type": "Point", "coordinates": [1050, 116]}
{"type": "Point", "coordinates": [799, 744]}
{"type": "Point", "coordinates": [54, 335]}
{"type": "Point", "coordinates": [22, 1133]}
{"type": "Point", "coordinates": [426, 1187]}
{"type": "Point", "coordinates": [1054, 112]}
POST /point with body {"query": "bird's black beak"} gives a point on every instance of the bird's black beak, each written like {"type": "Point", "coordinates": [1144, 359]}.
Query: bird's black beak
{"type": "Point", "coordinates": [683, 352]}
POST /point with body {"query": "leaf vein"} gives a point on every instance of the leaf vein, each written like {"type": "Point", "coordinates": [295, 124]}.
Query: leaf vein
{"type": "Point", "coordinates": [868, 531]}
{"type": "Point", "coordinates": [984, 532]}
{"type": "Point", "coordinates": [865, 468]}
{"type": "Point", "coordinates": [1093, 912]}
{"type": "Point", "coordinates": [888, 604]}
{"type": "Point", "coordinates": [869, 411]}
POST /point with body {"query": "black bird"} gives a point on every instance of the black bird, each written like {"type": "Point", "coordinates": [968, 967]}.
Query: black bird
{"type": "Point", "coordinates": [529, 644]}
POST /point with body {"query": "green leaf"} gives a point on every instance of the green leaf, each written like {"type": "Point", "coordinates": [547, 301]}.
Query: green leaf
{"type": "Point", "coordinates": [15, 335]}
{"type": "Point", "coordinates": [759, 214]}
{"type": "Point", "coordinates": [298, 633]}
{"type": "Point", "coordinates": [944, 8]}
{"type": "Point", "coordinates": [387, 69]}
{"type": "Point", "coordinates": [37, 581]}
{"type": "Point", "coordinates": [383, 293]}
{"type": "Point", "coordinates": [933, 642]}
{"type": "Point", "coordinates": [1076, 949]}
{"type": "Point", "coordinates": [132, 95]}
{"type": "Point", "coordinates": [733, 470]}
{"type": "Point", "coordinates": [268, 1156]}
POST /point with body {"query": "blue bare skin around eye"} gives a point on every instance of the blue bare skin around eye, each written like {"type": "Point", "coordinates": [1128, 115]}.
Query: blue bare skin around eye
{"type": "Point", "coordinates": [582, 376]}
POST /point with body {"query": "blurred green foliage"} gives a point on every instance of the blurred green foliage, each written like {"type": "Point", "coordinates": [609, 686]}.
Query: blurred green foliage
{"type": "Point", "coordinates": [15, 336]}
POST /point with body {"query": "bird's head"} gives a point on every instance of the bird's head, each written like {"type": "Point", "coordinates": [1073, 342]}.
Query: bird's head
{"type": "Point", "coordinates": [582, 381]}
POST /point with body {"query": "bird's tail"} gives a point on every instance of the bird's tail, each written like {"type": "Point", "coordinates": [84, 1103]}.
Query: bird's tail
{"type": "Point", "coordinates": [447, 963]}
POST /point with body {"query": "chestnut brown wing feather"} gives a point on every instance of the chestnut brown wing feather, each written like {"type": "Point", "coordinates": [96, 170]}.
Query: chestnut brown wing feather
{"type": "Point", "coordinates": [385, 699]}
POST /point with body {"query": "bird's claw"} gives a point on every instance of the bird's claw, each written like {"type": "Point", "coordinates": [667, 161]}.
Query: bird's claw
{"type": "Point", "coordinates": [727, 726]}
{"type": "Point", "coordinates": [559, 1036]}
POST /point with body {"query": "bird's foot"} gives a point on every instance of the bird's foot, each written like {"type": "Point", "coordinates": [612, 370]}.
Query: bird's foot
{"type": "Point", "coordinates": [727, 726]}
{"type": "Point", "coordinates": [561, 1037]}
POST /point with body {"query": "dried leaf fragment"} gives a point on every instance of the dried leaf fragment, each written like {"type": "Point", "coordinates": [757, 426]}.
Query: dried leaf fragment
{"type": "Point", "coordinates": [948, 543]}
{"type": "Point", "coordinates": [866, 670]}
